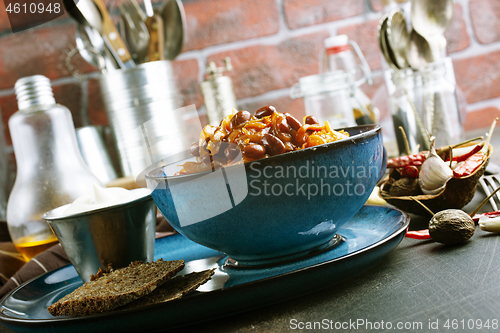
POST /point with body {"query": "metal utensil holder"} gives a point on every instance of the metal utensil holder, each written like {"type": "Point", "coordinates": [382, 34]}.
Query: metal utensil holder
{"type": "Point", "coordinates": [142, 105]}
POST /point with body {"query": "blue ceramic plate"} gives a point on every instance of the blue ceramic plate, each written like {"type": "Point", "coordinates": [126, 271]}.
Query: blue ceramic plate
{"type": "Point", "coordinates": [367, 237]}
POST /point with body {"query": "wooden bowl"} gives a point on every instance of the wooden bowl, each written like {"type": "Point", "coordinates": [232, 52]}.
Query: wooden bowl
{"type": "Point", "coordinates": [457, 193]}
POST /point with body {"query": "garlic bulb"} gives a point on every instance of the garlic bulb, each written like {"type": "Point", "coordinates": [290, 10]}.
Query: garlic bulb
{"type": "Point", "coordinates": [434, 173]}
{"type": "Point", "coordinates": [491, 224]}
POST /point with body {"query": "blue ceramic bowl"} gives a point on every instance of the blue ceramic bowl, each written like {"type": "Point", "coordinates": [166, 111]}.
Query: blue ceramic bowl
{"type": "Point", "coordinates": [274, 209]}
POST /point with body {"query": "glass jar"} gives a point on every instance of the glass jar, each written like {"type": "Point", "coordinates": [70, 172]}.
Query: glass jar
{"type": "Point", "coordinates": [425, 101]}
{"type": "Point", "coordinates": [338, 56]}
{"type": "Point", "coordinates": [327, 97]}
{"type": "Point", "coordinates": [50, 169]}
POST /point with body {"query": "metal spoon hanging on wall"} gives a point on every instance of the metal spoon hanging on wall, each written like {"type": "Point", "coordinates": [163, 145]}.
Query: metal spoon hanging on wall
{"type": "Point", "coordinates": [174, 21]}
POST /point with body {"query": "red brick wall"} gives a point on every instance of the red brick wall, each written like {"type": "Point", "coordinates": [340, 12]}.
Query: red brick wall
{"type": "Point", "coordinates": [272, 43]}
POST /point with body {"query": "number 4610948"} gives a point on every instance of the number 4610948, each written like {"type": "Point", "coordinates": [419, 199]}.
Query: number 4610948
{"type": "Point", "coordinates": [33, 8]}
{"type": "Point", "coordinates": [471, 324]}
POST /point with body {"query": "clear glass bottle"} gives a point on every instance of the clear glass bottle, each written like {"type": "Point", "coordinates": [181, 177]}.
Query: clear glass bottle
{"type": "Point", "coordinates": [339, 57]}
{"type": "Point", "coordinates": [50, 169]}
{"type": "Point", "coordinates": [4, 173]}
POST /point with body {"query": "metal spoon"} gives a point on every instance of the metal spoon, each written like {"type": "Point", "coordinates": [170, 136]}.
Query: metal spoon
{"type": "Point", "coordinates": [137, 35]}
{"type": "Point", "coordinates": [390, 52]}
{"type": "Point", "coordinates": [91, 47]}
{"type": "Point", "coordinates": [398, 37]}
{"type": "Point", "coordinates": [431, 18]}
{"type": "Point", "coordinates": [84, 12]}
{"type": "Point", "coordinates": [156, 30]}
{"type": "Point", "coordinates": [111, 37]}
{"type": "Point", "coordinates": [418, 51]}
{"type": "Point", "coordinates": [148, 6]}
{"type": "Point", "coordinates": [156, 39]}
{"type": "Point", "coordinates": [174, 21]}
{"type": "Point", "coordinates": [382, 40]}
{"type": "Point", "coordinates": [94, 13]}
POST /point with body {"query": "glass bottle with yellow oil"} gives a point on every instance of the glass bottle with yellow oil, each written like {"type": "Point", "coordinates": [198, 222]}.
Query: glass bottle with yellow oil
{"type": "Point", "coordinates": [50, 169]}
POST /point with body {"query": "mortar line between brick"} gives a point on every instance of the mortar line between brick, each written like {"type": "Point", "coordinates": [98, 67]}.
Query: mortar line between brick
{"type": "Point", "coordinates": [477, 50]}
{"type": "Point", "coordinates": [56, 82]}
{"type": "Point", "coordinates": [468, 23]}
{"type": "Point", "coordinates": [494, 102]}
{"type": "Point", "coordinates": [64, 80]}
{"type": "Point", "coordinates": [6, 92]}
{"type": "Point", "coordinates": [369, 6]}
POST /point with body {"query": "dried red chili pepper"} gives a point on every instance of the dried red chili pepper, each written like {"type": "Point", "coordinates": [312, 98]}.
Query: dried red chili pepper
{"type": "Point", "coordinates": [410, 171]}
{"type": "Point", "coordinates": [476, 217]}
{"type": "Point", "coordinates": [469, 165]}
{"type": "Point", "coordinates": [418, 234]}
{"type": "Point", "coordinates": [461, 154]}
{"type": "Point", "coordinates": [400, 162]}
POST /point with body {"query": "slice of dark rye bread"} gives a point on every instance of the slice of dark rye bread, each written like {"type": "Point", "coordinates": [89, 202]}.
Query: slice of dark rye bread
{"type": "Point", "coordinates": [173, 289]}
{"type": "Point", "coordinates": [110, 289]}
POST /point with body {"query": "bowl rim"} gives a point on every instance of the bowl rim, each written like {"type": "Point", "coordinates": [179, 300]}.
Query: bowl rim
{"type": "Point", "coordinates": [47, 215]}
{"type": "Point", "coordinates": [373, 128]}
